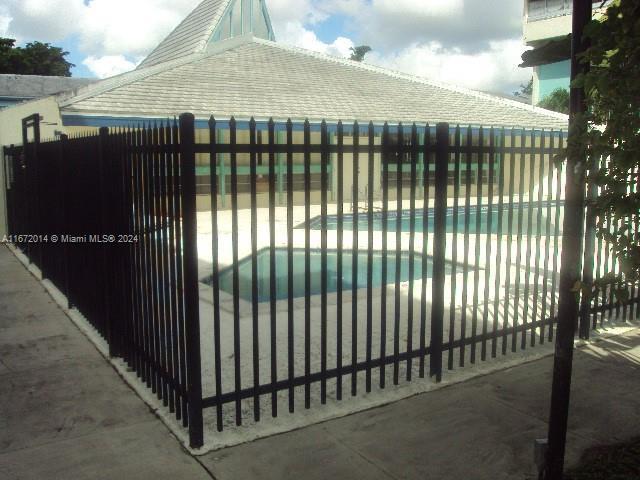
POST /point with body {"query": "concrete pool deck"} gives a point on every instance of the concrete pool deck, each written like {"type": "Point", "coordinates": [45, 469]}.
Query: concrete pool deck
{"type": "Point", "coordinates": [66, 413]}
{"type": "Point", "coordinates": [498, 312]}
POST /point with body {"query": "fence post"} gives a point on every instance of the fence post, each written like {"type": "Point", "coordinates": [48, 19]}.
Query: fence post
{"type": "Point", "coordinates": [572, 231]}
{"type": "Point", "coordinates": [191, 294]}
{"type": "Point", "coordinates": [37, 192]}
{"type": "Point", "coordinates": [587, 267]}
{"type": "Point", "coordinates": [107, 263]}
{"type": "Point", "coordinates": [65, 172]}
{"type": "Point", "coordinates": [439, 249]}
{"type": "Point", "coordinates": [5, 184]}
{"type": "Point", "coordinates": [32, 185]}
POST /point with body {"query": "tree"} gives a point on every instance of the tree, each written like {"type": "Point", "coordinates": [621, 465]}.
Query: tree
{"type": "Point", "coordinates": [6, 54]}
{"type": "Point", "coordinates": [612, 135]}
{"type": "Point", "coordinates": [525, 90]}
{"type": "Point", "coordinates": [34, 58]}
{"type": "Point", "coordinates": [558, 101]}
{"type": "Point", "coordinates": [358, 53]}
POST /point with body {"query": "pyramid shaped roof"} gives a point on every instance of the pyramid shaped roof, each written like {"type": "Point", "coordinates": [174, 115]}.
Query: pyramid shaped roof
{"type": "Point", "coordinates": [212, 21]}
{"type": "Point", "coordinates": [248, 77]}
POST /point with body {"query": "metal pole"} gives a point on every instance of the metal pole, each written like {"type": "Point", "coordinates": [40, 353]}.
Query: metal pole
{"type": "Point", "coordinates": [571, 257]}
{"type": "Point", "coordinates": [439, 249]}
{"type": "Point", "coordinates": [65, 173]}
{"type": "Point", "coordinates": [104, 230]}
{"type": "Point", "coordinates": [190, 259]}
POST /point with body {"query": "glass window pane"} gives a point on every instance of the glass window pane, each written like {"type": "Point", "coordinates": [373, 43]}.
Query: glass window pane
{"type": "Point", "coordinates": [536, 8]}
{"type": "Point", "coordinates": [246, 16]}
{"type": "Point", "coordinates": [236, 19]}
{"type": "Point", "coordinates": [260, 28]}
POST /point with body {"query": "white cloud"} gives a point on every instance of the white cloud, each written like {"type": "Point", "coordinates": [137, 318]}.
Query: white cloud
{"type": "Point", "coordinates": [108, 65]}
{"type": "Point", "coordinates": [467, 24]}
{"type": "Point", "coordinates": [106, 30]}
{"type": "Point", "coordinates": [296, 11]}
{"type": "Point", "coordinates": [420, 8]}
{"type": "Point", "coordinates": [103, 27]}
{"type": "Point", "coordinates": [345, 7]}
{"type": "Point", "coordinates": [296, 34]}
{"type": "Point", "coordinates": [43, 20]}
{"type": "Point", "coordinates": [468, 42]}
{"type": "Point", "coordinates": [4, 24]}
{"type": "Point", "coordinates": [495, 69]}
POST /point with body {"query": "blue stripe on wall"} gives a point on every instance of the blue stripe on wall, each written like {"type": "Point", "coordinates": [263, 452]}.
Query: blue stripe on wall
{"type": "Point", "coordinates": [108, 121]}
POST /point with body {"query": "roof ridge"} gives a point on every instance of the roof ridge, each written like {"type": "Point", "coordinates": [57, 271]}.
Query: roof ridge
{"type": "Point", "coordinates": [125, 78]}
{"type": "Point", "coordinates": [414, 78]}
{"type": "Point", "coordinates": [217, 11]}
{"type": "Point", "coordinates": [488, 110]}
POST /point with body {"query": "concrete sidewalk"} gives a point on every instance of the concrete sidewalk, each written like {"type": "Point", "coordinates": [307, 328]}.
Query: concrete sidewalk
{"type": "Point", "coordinates": [66, 414]}
{"type": "Point", "coordinates": [64, 411]}
{"type": "Point", "coordinates": [480, 429]}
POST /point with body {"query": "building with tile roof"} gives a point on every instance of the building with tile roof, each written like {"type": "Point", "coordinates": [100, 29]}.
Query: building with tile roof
{"type": "Point", "coordinates": [223, 60]}
{"type": "Point", "coordinates": [16, 89]}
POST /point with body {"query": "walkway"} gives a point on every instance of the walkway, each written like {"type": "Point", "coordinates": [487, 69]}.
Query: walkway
{"type": "Point", "coordinates": [65, 413]}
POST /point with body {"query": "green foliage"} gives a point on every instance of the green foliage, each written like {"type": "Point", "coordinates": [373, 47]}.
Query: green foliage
{"type": "Point", "coordinates": [358, 53]}
{"type": "Point", "coordinates": [558, 101]}
{"type": "Point", "coordinates": [34, 58]}
{"type": "Point", "coordinates": [612, 131]}
{"type": "Point", "coordinates": [525, 90]}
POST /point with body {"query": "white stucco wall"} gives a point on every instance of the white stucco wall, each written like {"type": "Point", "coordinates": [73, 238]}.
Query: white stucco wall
{"type": "Point", "coordinates": [11, 133]}
{"type": "Point", "coordinates": [544, 29]}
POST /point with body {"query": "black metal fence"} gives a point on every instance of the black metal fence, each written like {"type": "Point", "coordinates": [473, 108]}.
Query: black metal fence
{"type": "Point", "coordinates": [417, 249]}
{"type": "Point", "coordinates": [109, 220]}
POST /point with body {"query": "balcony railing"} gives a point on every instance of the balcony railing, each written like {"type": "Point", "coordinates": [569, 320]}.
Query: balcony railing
{"type": "Point", "coordinates": [540, 9]}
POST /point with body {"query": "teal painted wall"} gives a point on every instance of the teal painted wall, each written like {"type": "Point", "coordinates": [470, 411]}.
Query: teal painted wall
{"type": "Point", "coordinates": [552, 76]}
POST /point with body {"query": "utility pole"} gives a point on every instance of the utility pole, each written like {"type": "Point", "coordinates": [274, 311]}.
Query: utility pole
{"type": "Point", "coordinates": [572, 236]}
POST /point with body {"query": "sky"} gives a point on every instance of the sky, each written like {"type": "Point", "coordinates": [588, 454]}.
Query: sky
{"type": "Point", "coordinates": [471, 43]}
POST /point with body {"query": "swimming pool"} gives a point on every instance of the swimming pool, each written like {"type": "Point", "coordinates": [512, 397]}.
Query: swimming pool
{"type": "Point", "coordinates": [544, 208]}
{"type": "Point", "coordinates": [281, 257]}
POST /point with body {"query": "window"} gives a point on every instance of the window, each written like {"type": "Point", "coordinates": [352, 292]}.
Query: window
{"type": "Point", "coordinates": [236, 19]}
{"type": "Point", "coordinates": [247, 23]}
{"type": "Point", "coordinates": [260, 28]}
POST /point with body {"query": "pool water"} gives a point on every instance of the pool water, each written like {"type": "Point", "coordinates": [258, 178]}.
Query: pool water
{"type": "Point", "coordinates": [281, 258]}
{"type": "Point", "coordinates": [474, 212]}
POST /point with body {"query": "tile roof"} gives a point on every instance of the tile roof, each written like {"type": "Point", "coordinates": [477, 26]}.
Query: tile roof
{"type": "Point", "coordinates": [36, 86]}
{"type": "Point", "coordinates": [246, 76]}
{"type": "Point", "coordinates": [191, 36]}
